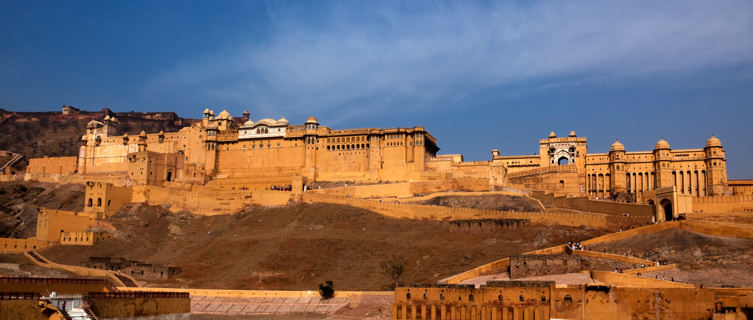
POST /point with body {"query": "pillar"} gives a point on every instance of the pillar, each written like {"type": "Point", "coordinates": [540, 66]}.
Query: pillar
{"type": "Point", "coordinates": [405, 312]}
{"type": "Point", "coordinates": [505, 313]}
{"type": "Point", "coordinates": [433, 311]}
{"type": "Point", "coordinates": [394, 311]}
{"type": "Point", "coordinates": [413, 309]}
{"type": "Point", "coordinates": [493, 312]}
{"type": "Point", "coordinates": [453, 314]}
{"type": "Point", "coordinates": [516, 314]}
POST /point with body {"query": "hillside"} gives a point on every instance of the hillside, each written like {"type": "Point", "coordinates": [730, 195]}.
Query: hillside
{"type": "Point", "coordinates": [18, 202]}
{"type": "Point", "coordinates": [38, 134]}
{"type": "Point", "coordinates": [299, 246]}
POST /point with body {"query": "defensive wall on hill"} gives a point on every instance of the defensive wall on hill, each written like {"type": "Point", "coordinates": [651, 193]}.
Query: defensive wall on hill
{"type": "Point", "coordinates": [703, 227]}
{"type": "Point", "coordinates": [600, 206]}
{"type": "Point", "coordinates": [395, 209]}
{"type": "Point", "coordinates": [738, 203]}
{"type": "Point", "coordinates": [117, 278]}
{"type": "Point", "coordinates": [52, 166]}
{"type": "Point", "coordinates": [56, 226]}
{"type": "Point", "coordinates": [208, 201]}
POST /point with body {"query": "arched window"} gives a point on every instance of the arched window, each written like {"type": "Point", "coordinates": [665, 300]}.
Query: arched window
{"type": "Point", "coordinates": [99, 202]}
{"type": "Point", "coordinates": [90, 203]}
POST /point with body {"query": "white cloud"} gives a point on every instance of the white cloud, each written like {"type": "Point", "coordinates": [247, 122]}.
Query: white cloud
{"type": "Point", "coordinates": [353, 61]}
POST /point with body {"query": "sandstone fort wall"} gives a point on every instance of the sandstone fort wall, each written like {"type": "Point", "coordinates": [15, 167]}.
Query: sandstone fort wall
{"type": "Point", "coordinates": [600, 206]}
{"type": "Point", "coordinates": [736, 203]}
{"type": "Point", "coordinates": [395, 209]}
{"type": "Point", "coordinates": [52, 165]}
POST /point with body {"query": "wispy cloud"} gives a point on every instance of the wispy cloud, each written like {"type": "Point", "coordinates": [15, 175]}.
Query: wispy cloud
{"type": "Point", "coordinates": [349, 62]}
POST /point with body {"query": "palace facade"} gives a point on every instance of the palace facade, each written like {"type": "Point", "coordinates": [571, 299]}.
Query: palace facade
{"type": "Point", "coordinates": [241, 152]}
{"type": "Point", "coordinates": [695, 172]}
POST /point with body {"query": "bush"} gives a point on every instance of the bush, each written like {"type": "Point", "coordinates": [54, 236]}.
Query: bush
{"type": "Point", "coordinates": [327, 290]}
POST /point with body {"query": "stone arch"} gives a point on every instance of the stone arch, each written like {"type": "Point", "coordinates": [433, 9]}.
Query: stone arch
{"type": "Point", "coordinates": [666, 212]}
{"type": "Point", "coordinates": [563, 161]}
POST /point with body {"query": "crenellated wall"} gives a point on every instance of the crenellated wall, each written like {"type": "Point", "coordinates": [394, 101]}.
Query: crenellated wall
{"type": "Point", "coordinates": [737, 203]}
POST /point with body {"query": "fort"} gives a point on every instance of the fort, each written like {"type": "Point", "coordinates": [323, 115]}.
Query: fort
{"type": "Point", "coordinates": [220, 165]}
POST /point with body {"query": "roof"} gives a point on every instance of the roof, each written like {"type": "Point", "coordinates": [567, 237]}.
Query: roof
{"type": "Point", "coordinates": [661, 144]}
{"type": "Point", "coordinates": [617, 146]}
{"type": "Point", "coordinates": [713, 142]}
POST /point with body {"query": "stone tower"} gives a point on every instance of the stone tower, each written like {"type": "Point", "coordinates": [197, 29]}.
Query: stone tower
{"type": "Point", "coordinates": [716, 170]}
{"type": "Point", "coordinates": [310, 141]}
{"type": "Point", "coordinates": [618, 179]}
{"type": "Point", "coordinates": [617, 159]}
{"type": "Point", "coordinates": [663, 165]}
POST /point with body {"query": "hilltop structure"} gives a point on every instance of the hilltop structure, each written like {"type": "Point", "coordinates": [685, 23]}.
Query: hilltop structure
{"type": "Point", "coordinates": [225, 152]}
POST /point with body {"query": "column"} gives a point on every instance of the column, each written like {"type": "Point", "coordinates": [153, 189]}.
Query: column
{"type": "Point", "coordinates": [413, 309]}
{"type": "Point", "coordinates": [405, 312]}
{"type": "Point", "coordinates": [394, 311]}
{"type": "Point", "coordinates": [517, 314]}
{"type": "Point", "coordinates": [453, 313]}
{"type": "Point", "coordinates": [423, 312]}
{"type": "Point", "coordinates": [433, 312]}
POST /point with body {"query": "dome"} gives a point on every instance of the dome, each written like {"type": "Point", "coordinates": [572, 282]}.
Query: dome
{"type": "Point", "coordinates": [283, 122]}
{"type": "Point", "coordinates": [617, 146]}
{"type": "Point", "coordinates": [142, 133]}
{"type": "Point", "coordinates": [206, 111]}
{"type": "Point", "coordinates": [311, 119]}
{"type": "Point", "coordinates": [552, 135]}
{"type": "Point", "coordinates": [661, 144]}
{"type": "Point", "coordinates": [267, 121]}
{"type": "Point", "coordinates": [245, 112]}
{"type": "Point", "coordinates": [713, 142]}
{"type": "Point", "coordinates": [224, 115]}
{"type": "Point", "coordinates": [211, 113]}
{"type": "Point", "coordinates": [107, 117]}
{"type": "Point", "coordinates": [113, 119]}
{"type": "Point", "coordinates": [572, 133]}
{"type": "Point", "coordinates": [248, 123]}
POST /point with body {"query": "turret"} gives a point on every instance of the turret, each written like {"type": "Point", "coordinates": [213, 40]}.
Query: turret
{"type": "Point", "coordinates": [716, 169]}
{"type": "Point", "coordinates": [142, 141]}
{"type": "Point", "coordinates": [663, 165]}
{"type": "Point", "coordinates": [246, 116]}
{"type": "Point", "coordinates": [310, 141]}
{"type": "Point", "coordinates": [617, 159]}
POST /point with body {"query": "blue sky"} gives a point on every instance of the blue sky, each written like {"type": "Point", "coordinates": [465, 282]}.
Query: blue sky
{"type": "Point", "coordinates": [477, 75]}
